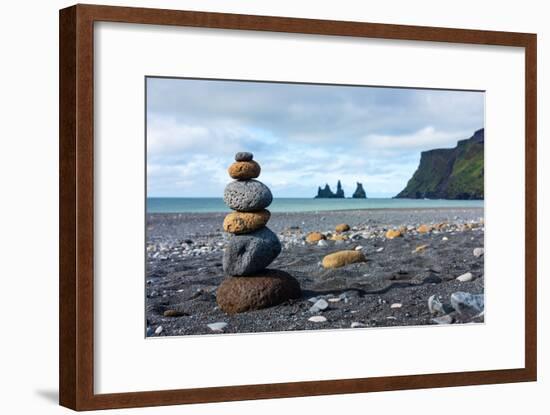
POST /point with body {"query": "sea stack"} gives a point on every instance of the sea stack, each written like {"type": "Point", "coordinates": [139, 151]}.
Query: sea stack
{"type": "Point", "coordinates": [249, 285]}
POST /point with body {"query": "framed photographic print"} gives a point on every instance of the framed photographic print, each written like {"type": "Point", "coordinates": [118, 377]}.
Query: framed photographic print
{"type": "Point", "coordinates": [278, 207]}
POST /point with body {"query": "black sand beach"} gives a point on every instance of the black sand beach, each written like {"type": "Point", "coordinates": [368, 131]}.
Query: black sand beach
{"type": "Point", "coordinates": [392, 288]}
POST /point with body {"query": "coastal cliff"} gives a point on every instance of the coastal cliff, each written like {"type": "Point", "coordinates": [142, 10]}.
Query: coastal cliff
{"type": "Point", "coordinates": [454, 173]}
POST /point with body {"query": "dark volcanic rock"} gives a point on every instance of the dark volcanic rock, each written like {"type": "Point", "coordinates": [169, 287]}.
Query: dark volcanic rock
{"type": "Point", "coordinates": [359, 192]}
{"type": "Point", "coordinates": [243, 156]}
{"type": "Point", "coordinates": [249, 253]}
{"type": "Point", "coordinates": [269, 288]}
{"type": "Point", "coordinates": [247, 196]}
{"type": "Point", "coordinates": [449, 173]}
{"type": "Point", "coordinates": [326, 193]}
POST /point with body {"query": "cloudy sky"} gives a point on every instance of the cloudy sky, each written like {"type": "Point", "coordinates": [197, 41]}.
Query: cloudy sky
{"type": "Point", "coordinates": [303, 136]}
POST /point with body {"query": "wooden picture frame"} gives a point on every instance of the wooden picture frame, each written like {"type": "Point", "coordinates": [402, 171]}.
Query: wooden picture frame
{"type": "Point", "coordinates": [76, 175]}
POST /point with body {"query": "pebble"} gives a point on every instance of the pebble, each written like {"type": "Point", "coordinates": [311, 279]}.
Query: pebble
{"type": "Point", "coordinates": [358, 248]}
{"type": "Point", "coordinates": [357, 324]}
{"type": "Point", "coordinates": [444, 238]}
{"type": "Point", "coordinates": [420, 248]}
{"type": "Point", "coordinates": [393, 233]}
{"type": "Point", "coordinates": [250, 253]}
{"type": "Point", "coordinates": [334, 300]}
{"type": "Point", "coordinates": [380, 249]}
{"type": "Point", "coordinates": [312, 299]}
{"type": "Point", "coordinates": [322, 243]}
{"type": "Point", "coordinates": [343, 227]}
{"type": "Point", "coordinates": [434, 305]}
{"type": "Point", "coordinates": [247, 196]}
{"type": "Point", "coordinates": [315, 237]}
{"type": "Point", "coordinates": [174, 313]}
{"type": "Point", "coordinates": [219, 326]}
{"type": "Point", "coordinates": [341, 258]}
{"type": "Point", "coordinates": [396, 305]}
{"type": "Point", "coordinates": [464, 302]}
{"type": "Point", "coordinates": [243, 156]}
{"type": "Point", "coordinates": [158, 330]}
{"type": "Point", "coordinates": [465, 277]}
{"type": "Point", "coordinates": [317, 319]}
{"type": "Point", "coordinates": [319, 305]}
{"type": "Point", "coordinates": [446, 319]}
{"type": "Point", "coordinates": [479, 252]}
{"type": "Point", "coordinates": [244, 170]}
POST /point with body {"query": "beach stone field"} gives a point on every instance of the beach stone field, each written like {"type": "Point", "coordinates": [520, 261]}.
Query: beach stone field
{"type": "Point", "coordinates": [356, 269]}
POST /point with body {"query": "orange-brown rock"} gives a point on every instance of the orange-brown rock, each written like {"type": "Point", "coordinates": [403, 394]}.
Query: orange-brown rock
{"type": "Point", "coordinates": [424, 229]}
{"type": "Point", "coordinates": [341, 258]}
{"type": "Point", "coordinates": [245, 222]}
{"type": "Point", "coordinates": [314, 237]}
{"type": "Point", "coordinates": [265, 289]}
{"type": "Point", "coordinates": [343, 227]}
{"type": "Point", "coordinates": [393, 233]}
{"type": "Point", "coordinates": [338, 237]}
{"type": "Point", "coordinates": [244, 170]}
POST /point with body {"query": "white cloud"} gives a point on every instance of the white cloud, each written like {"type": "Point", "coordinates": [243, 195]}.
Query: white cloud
{"type": "Point", "coordinates": [303, 136]}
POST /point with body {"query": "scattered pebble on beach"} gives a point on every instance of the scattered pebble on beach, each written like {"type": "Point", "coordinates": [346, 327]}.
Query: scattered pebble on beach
{"type": "Point", "coordinates": [465, 277]}
{"type": "Point", "coordinates": [396, 305]}
{"type": "Point", "coordinates": [319, 305]}
{"type": "Point", "coordinates": [357, 324]}
{"type": "Point", "coordinates": [317, 319]}
{"type": "Point", "coordinates": [158, 330]}
{"type": "Point", "coordinates": [479, 252]}
{"type": "Point", "coordinates": [217, 327]}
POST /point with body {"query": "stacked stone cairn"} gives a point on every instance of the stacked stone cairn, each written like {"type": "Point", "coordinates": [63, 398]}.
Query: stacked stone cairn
{"type": "Point", "coordinates": [249, 285]}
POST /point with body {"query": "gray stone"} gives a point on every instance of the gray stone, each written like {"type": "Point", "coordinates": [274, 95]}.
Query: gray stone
{"type": "Point", "coordinates": [434, 305]}
{"type": "Point", "coordinates": [466, 303]}
{"type": "Point", "coordinates": [247, 195]}
{"type": "Point", "coordinates": [479, 252]}
{"type": "Point", "coordinates": [465, 277]}
{"type": "Point", "coordinates": [249, 253]}
{"type": "Point", "coordinates": [217, 326]}
{"type": "Point", "coordinates": [243, 156]}
{"type": "Point", "coordinates": [319, 305]}
{"type": "Point", "coordinates": [446, 319]}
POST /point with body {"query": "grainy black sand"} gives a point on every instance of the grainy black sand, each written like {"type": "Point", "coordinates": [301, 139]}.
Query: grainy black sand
{"type": "Point", "coordinates": [184, 268]}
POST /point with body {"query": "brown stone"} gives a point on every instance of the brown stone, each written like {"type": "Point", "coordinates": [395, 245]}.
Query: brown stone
{"type": "Point", "coordinates": [343, 227]}
{"type": "Point", "coordinates": [245, 222]}
{"type": "Point", "coordinates": [393, 233]}
{"type": "Point", "coordinates": [314, 237]}
{"type": "Point", "coordinates": [424, 229]}
{"type": "Point", "coordinates": [341, 258]}
{"type": "Point", "coordinates": [265, 289]}
{"type": "Point", "coordinates": [244, 170]}
{"type": "Point", "coordinates": [338, 237]}
{"type": "Point", "coordinates": [420, 248]}
{"type": "Point", "coordinates": [174, 313]}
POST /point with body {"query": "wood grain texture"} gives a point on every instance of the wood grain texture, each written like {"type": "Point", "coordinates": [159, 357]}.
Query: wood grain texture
{"type": "Point", "coordinates": [76, 236]}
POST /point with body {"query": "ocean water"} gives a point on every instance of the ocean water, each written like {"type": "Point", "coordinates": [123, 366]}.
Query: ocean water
{"type": "Point", "coordinates": [212, 204]}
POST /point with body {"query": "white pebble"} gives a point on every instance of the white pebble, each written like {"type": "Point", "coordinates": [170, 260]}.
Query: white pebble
{"type": "Point", "coordinates": [322, 242]}
{"type": "Point", "coordinates": [479, 252]}
{"type": "Point", "coordinates": [396, 305]}
{"type": "Point", "coordinates": [319, 305]}
{"type": "Point", "coordinates": [444, 238]}
{"type": "Point", "coordinates": [317, 319]}
{"type": "Point", "coordinates": [158, 330]}
{"type": "Point", "coordinates": [334, 300]}
{"type": "Point", "coordinates": [380, 249]}
{"type": "Point", "coordinates": [217, 326]}
{"type": "Point", "coordinates": [465, 277]}
{"type": "Point", "coordinates": [358, 247]}
{"type": "Point", "coordinates": [357, 324]}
